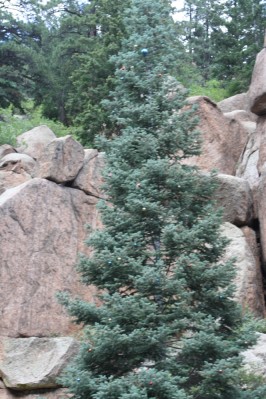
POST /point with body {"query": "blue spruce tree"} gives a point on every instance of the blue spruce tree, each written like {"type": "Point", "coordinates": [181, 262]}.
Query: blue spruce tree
{"type": "Point", "coordinates": [167, 327]}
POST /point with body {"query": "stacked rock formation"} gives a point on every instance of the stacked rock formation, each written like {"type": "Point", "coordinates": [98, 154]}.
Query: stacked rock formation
{"type": "Point", "coordinates": [49, 189]}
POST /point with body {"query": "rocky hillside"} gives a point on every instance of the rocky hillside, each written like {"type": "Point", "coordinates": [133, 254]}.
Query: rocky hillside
{"type": "Point", "coordinates": [49, 189]}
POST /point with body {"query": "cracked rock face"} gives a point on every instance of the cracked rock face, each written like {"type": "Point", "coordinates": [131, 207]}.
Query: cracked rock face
{"type": "Point", "coordinates": [261, 198]}
{"type": "Point", "coordinates": [89, 178]}
{"type": "Point", "coordinates": [248, 163]}
{"type": "Point", "coordinates": [248, 281]}
{"type": "Point", "coordinates": [223, 139]}
{"type": "Point", "coordinates": [235, 196]}
{"type": "Point", "coordinates": [43, 228]}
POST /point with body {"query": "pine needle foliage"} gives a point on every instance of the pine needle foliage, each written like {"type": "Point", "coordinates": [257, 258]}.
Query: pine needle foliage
{"type": "Point", "coordinates": [167, 327]}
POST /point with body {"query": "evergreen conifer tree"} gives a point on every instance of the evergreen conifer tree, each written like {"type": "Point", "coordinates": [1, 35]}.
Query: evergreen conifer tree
{"type": "Point", "coordinates": [203, 25]}
{"type": "Point", "coordinates": [167, 327]}
{"type": "Point", "coordinates": [20, 62]}
{"type": "Point", "coordinates": [237, 46]}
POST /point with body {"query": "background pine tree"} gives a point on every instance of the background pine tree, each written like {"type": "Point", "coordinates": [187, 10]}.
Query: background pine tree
{"type": "Point", "coordinates": [168, 327]}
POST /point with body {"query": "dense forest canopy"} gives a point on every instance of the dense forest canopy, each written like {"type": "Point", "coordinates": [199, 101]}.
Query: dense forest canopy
{"type": "Point", "coordinates": [57, 53]}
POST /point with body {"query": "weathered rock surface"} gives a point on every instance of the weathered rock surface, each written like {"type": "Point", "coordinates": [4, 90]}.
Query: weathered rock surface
{"type": "Point", "coordinates": [42, 232]}
{"type": "Point", "coordinates": [235, 197]}
{"type": "Point", "coordinates": [35, 363]}
{"type": "Point", "coordinates": [18, 162]}
{"type": "Point", "coordinates": [223, 139]}
{"type": "Point", "coordinates": [248, 281]}
{"type": "Point", "coordinates": [261, 205]}
{"type": "Point", "coordinates": [241, 116]}
{"type": "Point", "coordinates": [6, 149]}
{"type": "Point", "coordinates": [247, 167]}
{"type": "Point", "coordinates": [36, 394]}
{"type": "Point", "coordinates": [10, 179]}
{"type": "Point", "coordinates": [257, 89]}
{"type": "Point", "coordinates": [251, 237]}
{"type": "Point", "coordinates": [89, 178]}
{"type": "Point", "coordinates": [255, 201]}
{"type": "Point", "coordinates": [237, 102]}
{"type": "Point", "coordinates": [261, 128]}
{"type": "Point", "coordinates": [61, 160]}
{"type": "Point", "coordinates": [255, 357]}
{"type": "Point", "coordinates": [34, 141]}
{"type": "Point", "coordinates": [249, 126]}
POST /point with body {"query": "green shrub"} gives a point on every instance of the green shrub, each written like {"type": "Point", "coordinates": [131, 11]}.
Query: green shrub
{"type": "Point", "coordinates": [212, 89]}
{"type": "Point", "coordinates": [12, 124]}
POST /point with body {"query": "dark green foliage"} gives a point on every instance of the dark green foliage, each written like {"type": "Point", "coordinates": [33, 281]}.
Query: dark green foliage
{"type": "Point", "coordinates": [77, 46]}
{"type": "Point", "coordinates": [59, 54]}
{"type": "Point", "coordinates": [60, 58]}
{"type": "Point", "coordinates": [58, 48]}
{"type": "Point", "coordinates": [20, 67]}
{"type": "Point", "coordinates": [167, 327]}
{"type": "Point", "coordinates": [204, 24]}
{"type": "Point", "coordinates": [242, 39]}
{"type": "Point", "coordinates": [92, 79]}
{"type": "Point", "coordinates": [223, 38]}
